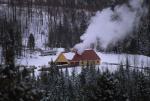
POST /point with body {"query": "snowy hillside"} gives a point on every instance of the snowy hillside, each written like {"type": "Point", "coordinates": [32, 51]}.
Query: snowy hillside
{"type": "Point", "coordinates": [37, 24]}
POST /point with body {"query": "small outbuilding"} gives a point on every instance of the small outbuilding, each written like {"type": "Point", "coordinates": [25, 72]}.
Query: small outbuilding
{"type": "Point", "coordinates": [64, 58]}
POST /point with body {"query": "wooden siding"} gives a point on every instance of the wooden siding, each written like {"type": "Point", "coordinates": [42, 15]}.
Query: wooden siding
{"type": "Point", "coordinates": [62, 59]}
{"type": "Point", "coordinates": [89, 62]}
{"type": "Point", "coordinates": [85, 62]}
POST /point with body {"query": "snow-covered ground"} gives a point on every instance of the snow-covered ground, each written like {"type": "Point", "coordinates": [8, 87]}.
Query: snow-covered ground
{"type": "Point", "coordinates": [134, 60]}
{"type": "Point", "coordinates": [35, 59]}
{"type": "Point", "coordinates": [106, 59]}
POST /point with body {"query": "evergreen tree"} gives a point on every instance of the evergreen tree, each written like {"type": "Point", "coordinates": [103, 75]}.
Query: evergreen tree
{"type": "Point", "coordinates": [31, 42]}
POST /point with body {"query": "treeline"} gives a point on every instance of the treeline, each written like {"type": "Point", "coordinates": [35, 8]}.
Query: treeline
{"type": "Point", "coordinates": [93, 85]}
{"type": "Point", "coordinates": [90, 85]}
{"type": "Point", "coordinates": [10, 41]}
{"type": "Point", "coordinates": [77, 4]}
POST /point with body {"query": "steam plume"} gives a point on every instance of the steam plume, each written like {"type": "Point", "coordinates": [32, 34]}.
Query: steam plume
{"type": "Point", "coordinates": [110, 26]}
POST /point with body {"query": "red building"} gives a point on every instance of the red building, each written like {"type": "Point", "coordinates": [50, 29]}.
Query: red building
{"type": "Point", "coordinates": [87, 57]}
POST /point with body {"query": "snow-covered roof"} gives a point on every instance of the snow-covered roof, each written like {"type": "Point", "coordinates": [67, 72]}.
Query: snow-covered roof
{"type": "Point", "coordinates": [69, 55]}
{"type": "Point", "coordinates": [60, 50]}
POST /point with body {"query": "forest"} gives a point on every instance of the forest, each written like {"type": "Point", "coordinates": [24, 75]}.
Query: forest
{"type": "Point", "coordinates": [125, 84]}
{"type": "Point", "coordinates": [34, 24]}
{"type": "Point", "coordinates": [54, 21]}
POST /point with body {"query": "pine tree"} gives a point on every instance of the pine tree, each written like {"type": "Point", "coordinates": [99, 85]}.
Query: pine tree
{"type": "Point", "coordinates": [31, 42]}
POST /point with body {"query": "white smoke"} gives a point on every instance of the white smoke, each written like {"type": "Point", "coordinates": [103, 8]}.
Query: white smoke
{"type": "Point", "coordinates": [110, 26]}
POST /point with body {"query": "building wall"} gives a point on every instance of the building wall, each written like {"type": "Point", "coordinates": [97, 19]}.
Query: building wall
{"type": "Point", "coordinates": [61, 59]}
{"type": "Point", "coordinates": [89, 62]}
{"type": "Point", "coordinates": [86, 62]}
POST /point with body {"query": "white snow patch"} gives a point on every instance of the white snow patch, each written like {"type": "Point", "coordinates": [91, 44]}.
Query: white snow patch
{"type": "Point", "coordinates": [134, 60]}
{"type": "Point", "coordinates": [69, 55]}
{"type": "Point", "coordinates": [59, 50]}
{"type": "Point", "coordinates": [36, 60]}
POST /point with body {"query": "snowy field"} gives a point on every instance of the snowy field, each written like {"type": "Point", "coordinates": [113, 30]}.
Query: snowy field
{"type": "Point", "coordinates": [134, 60]}
{"type": "Point", "coordinates": [106, 59]}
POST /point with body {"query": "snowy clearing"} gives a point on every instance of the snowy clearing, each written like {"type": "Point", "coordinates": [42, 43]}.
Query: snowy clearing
{"type": "Point", "coordinates": [134, 60]}
{"type": "Point", "coordinates": [106, 59]}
